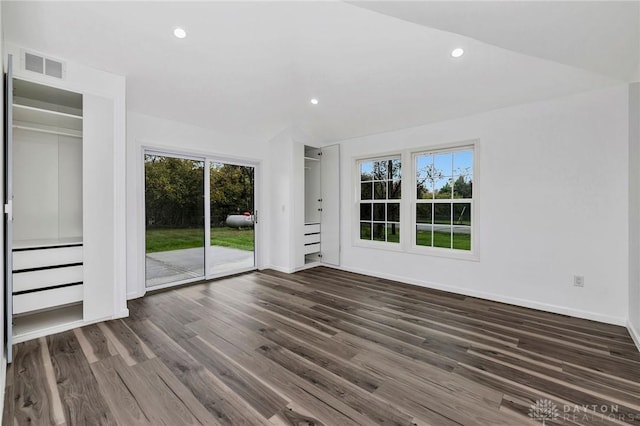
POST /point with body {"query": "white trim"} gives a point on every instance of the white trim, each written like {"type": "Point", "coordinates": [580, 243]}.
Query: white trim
{"type": "Point", "coordinates": [356, 241]}
{"type": "Point", "coordinates": [635, 334]}
{"type": "Point", "coordinates": [622, 321]}
{"type": "Point", "coordinates": [474, 253]}
{"type": "Point", "coordinates": [279, 269]}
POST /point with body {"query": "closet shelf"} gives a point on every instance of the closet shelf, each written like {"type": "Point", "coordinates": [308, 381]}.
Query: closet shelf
{"type": "Point", "coordinates": [47, 118]}
{"type": "Point", "coordinates": [310, 159]}
{"type": "Point", "coordinates": [52, 130]}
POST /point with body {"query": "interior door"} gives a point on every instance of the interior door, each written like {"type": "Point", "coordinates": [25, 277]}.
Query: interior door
{"type": "Point", "coordinates": [330, 183]}
{"type": "Point", "coordinates": [8, 210]}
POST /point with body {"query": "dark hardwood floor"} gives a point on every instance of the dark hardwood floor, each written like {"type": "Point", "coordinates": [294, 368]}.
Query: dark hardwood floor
{"type": "Point", "coordinates": [324, 347]}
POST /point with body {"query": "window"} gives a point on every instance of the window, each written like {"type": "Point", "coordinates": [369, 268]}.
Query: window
{"type": "Point", "coordinates": [379, 199]}
{"type": "Point", "coordinates": [444, 198]}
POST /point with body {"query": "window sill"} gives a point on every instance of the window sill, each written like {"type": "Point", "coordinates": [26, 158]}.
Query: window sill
{"type": "Point", "coordinates": [379, 245]}
{"type": "Point", "coordinates": [446, 253]}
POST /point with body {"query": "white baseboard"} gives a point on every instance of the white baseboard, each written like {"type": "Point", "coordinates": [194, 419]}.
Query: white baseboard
{"type": "Point", "coordinates": [135, 295]}
{"type": "Point", "coordinates": [622, 321]}
{"type": "Point", "coordinates": [635, 334]}
{"type": "Point", "coordinates": [279, 269]}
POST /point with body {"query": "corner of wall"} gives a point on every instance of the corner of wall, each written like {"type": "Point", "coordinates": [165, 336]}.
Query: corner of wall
{"type": "Point", "coordinates": [634, 333]}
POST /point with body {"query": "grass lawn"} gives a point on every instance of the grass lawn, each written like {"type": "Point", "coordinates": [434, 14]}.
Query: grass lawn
{"type": "Point", "coordinates": [443, 239]}
{"type": "Point", "coordinates": [177, 239]}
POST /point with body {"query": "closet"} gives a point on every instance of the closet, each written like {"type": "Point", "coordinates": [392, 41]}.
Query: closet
{"type": "Point", "coordinates": [321, 229]}
{"type": "Point", "coordinates": [61, 264]}
{"type": "Point", "coordinates": [47, 205]}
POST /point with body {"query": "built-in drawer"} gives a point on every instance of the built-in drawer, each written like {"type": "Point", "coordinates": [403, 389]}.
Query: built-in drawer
{"type": "Point", "coordinates": [311, 239]}
{"type": "Point", "coordinates": [38, 258]}
{"type": "Point", "coordinates": [33, 280]}
{"type": "Point", "coordinates": [44, 299]}
{"type": "Point", "coordinates": [312, 248]}
{"type": "Point", "coordinates": [312, 228]}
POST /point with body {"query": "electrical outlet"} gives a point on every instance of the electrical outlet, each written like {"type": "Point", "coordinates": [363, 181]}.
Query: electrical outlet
{"type": "Point", "coordinates": [578, 281]}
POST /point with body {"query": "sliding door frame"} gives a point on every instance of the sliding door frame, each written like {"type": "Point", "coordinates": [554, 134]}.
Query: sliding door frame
{"type": "Point", "coordinates": [207, 159]}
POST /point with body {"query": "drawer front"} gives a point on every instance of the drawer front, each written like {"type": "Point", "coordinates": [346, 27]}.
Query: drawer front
{"type": "Point", "coordinates": [312, 239]}
{"type": "Point", "coordinates": [28, 259]}
{"type": "Point", "coordinates": [44, 299]}
{"type": "Point", "coordinates": [312, 248]}
{"type": "Point", "coordinates": [313, 228]}
{"type": "Point", "coordinates": [33, 280]}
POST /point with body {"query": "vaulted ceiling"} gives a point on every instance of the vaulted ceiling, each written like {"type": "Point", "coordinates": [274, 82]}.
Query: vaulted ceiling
{"type": "Point", "coordinates": [250, 68]}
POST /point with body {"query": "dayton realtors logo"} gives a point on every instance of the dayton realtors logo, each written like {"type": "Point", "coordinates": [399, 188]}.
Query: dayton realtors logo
{"type": "Point", "coordinates": [544, 410]}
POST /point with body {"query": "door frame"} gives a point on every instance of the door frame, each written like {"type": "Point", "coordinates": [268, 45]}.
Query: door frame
{"type": "Point", "coordinates": [207, 158]}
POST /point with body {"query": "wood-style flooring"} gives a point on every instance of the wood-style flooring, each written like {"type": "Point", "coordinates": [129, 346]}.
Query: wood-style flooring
{"type": "Point", "coordinates": [325, 347]}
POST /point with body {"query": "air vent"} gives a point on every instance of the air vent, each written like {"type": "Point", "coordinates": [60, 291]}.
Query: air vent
{"type": "Point", "coordinates": [42, 65]}
{"type": "Point", "coordinates": [53, 68]}
{"type": "Point", "coordinates": [34, 63]}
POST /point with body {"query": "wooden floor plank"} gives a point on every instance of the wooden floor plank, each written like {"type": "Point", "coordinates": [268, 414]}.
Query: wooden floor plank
{"type": "Point", "coordinates": [79, 391]}
{"type": "Point", "coordinates": [324, 347]}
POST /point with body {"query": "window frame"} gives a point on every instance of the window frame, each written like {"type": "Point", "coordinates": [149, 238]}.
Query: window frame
{"type": "Point", "coordinates": [409, 200]}
{"type": "Point", "coordinates": [386, 245]}
{"type": "Point", "coordinates": [473, 253]}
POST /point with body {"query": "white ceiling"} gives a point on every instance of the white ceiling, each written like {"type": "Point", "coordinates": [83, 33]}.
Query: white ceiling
{"type": "Point", "coordinates": [250, 68]}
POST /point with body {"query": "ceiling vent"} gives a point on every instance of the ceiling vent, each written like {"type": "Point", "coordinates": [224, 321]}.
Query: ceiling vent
{"type": "Point", "coordinates": [42, 65]}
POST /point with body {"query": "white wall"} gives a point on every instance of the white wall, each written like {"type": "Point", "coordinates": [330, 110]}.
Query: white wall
{"type": "Point", "coordinates": [634, 211]}
{"type": "Point", "coordinates": [281, 194]}
{"type": "Point", "coordinates": [553, 202]}
{"type": "Point", "coordinates": [147, 131]}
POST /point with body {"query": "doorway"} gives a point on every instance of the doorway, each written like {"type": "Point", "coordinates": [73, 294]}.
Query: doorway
{"type": "Point", "coordinates": [200, 218]}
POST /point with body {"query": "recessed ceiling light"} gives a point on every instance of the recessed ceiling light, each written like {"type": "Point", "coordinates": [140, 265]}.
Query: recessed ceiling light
{"type": "Point", "coordinates": [456, 53]}
{"type": "Point", "coordinates": [180, 33]}
{"type": "Point", "coordinates": [314, 101]}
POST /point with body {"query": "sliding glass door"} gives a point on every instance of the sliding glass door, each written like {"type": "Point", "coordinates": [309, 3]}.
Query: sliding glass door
{"type": "Point", "coordinates": [199, 218]}
{"type": "Point", "coordinates": [174, 218]}
{"type": "Point", "coordinates": [231, 204]}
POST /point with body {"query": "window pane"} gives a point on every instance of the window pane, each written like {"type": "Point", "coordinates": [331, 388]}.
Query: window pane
{"type": "Point", "coordinates": [443, 164]}
{"type": "Point", "coordinates": [393, 212]}
{"type": "Point", "coordinates": [425, 176]}
{"type": "Point", "coordinates": [380, 190]}
{"type": "Point", "coordinates": [463, 163]}
{"type": "Point", "coordinates": [365, 211]}
{"type": "Point", "coordinates": [462, 187]}
{"type": "Point", "coordinates": [462, 237]}
{"type": "Point", "coordinates": [366, 171]}
{"type": "Point", "coordinates": [423, 234]}
{"type": "Point", "coordinates": [366, 191]}
{"type": "Point", "coordinates": [378, 212]}
{"type": "Point", "coordinates": [462, 214]}
{"type": "Point", "coordinates": [424, 192]}
{"type": "Point", "coordinates": [393, 232]}
{"type": "Point", "coordinates": [423, 213]}
{"type": "Point", "coordinates": [443, 188]}
{"type": "Point", "coordinates": [442, 236]}
{"type": "Point", "coordinates": [395, 169]}
{"type": "Point", "coordinates": [365, 231]}
{"type": "Point", "coordinates": [378, 232]}
{"type": "Point", "coordinates": [380, 170]}
{"type": "Point", "coordinates": [442, 213]}
{"type": "Point", "coordinates": [395, 190]}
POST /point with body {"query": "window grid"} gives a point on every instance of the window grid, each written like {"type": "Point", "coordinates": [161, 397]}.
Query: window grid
{"type": "Point", "coordinates": [379, 197]}
{"type": "Point", "coordinates": [444, 199]}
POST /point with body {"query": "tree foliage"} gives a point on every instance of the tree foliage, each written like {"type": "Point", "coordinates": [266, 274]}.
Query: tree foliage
{"type": "Point", "coordinates": [174, 192]}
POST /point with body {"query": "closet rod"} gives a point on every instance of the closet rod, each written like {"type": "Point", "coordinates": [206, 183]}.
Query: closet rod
{"type": "Point", "coordinates": [50, 132]}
